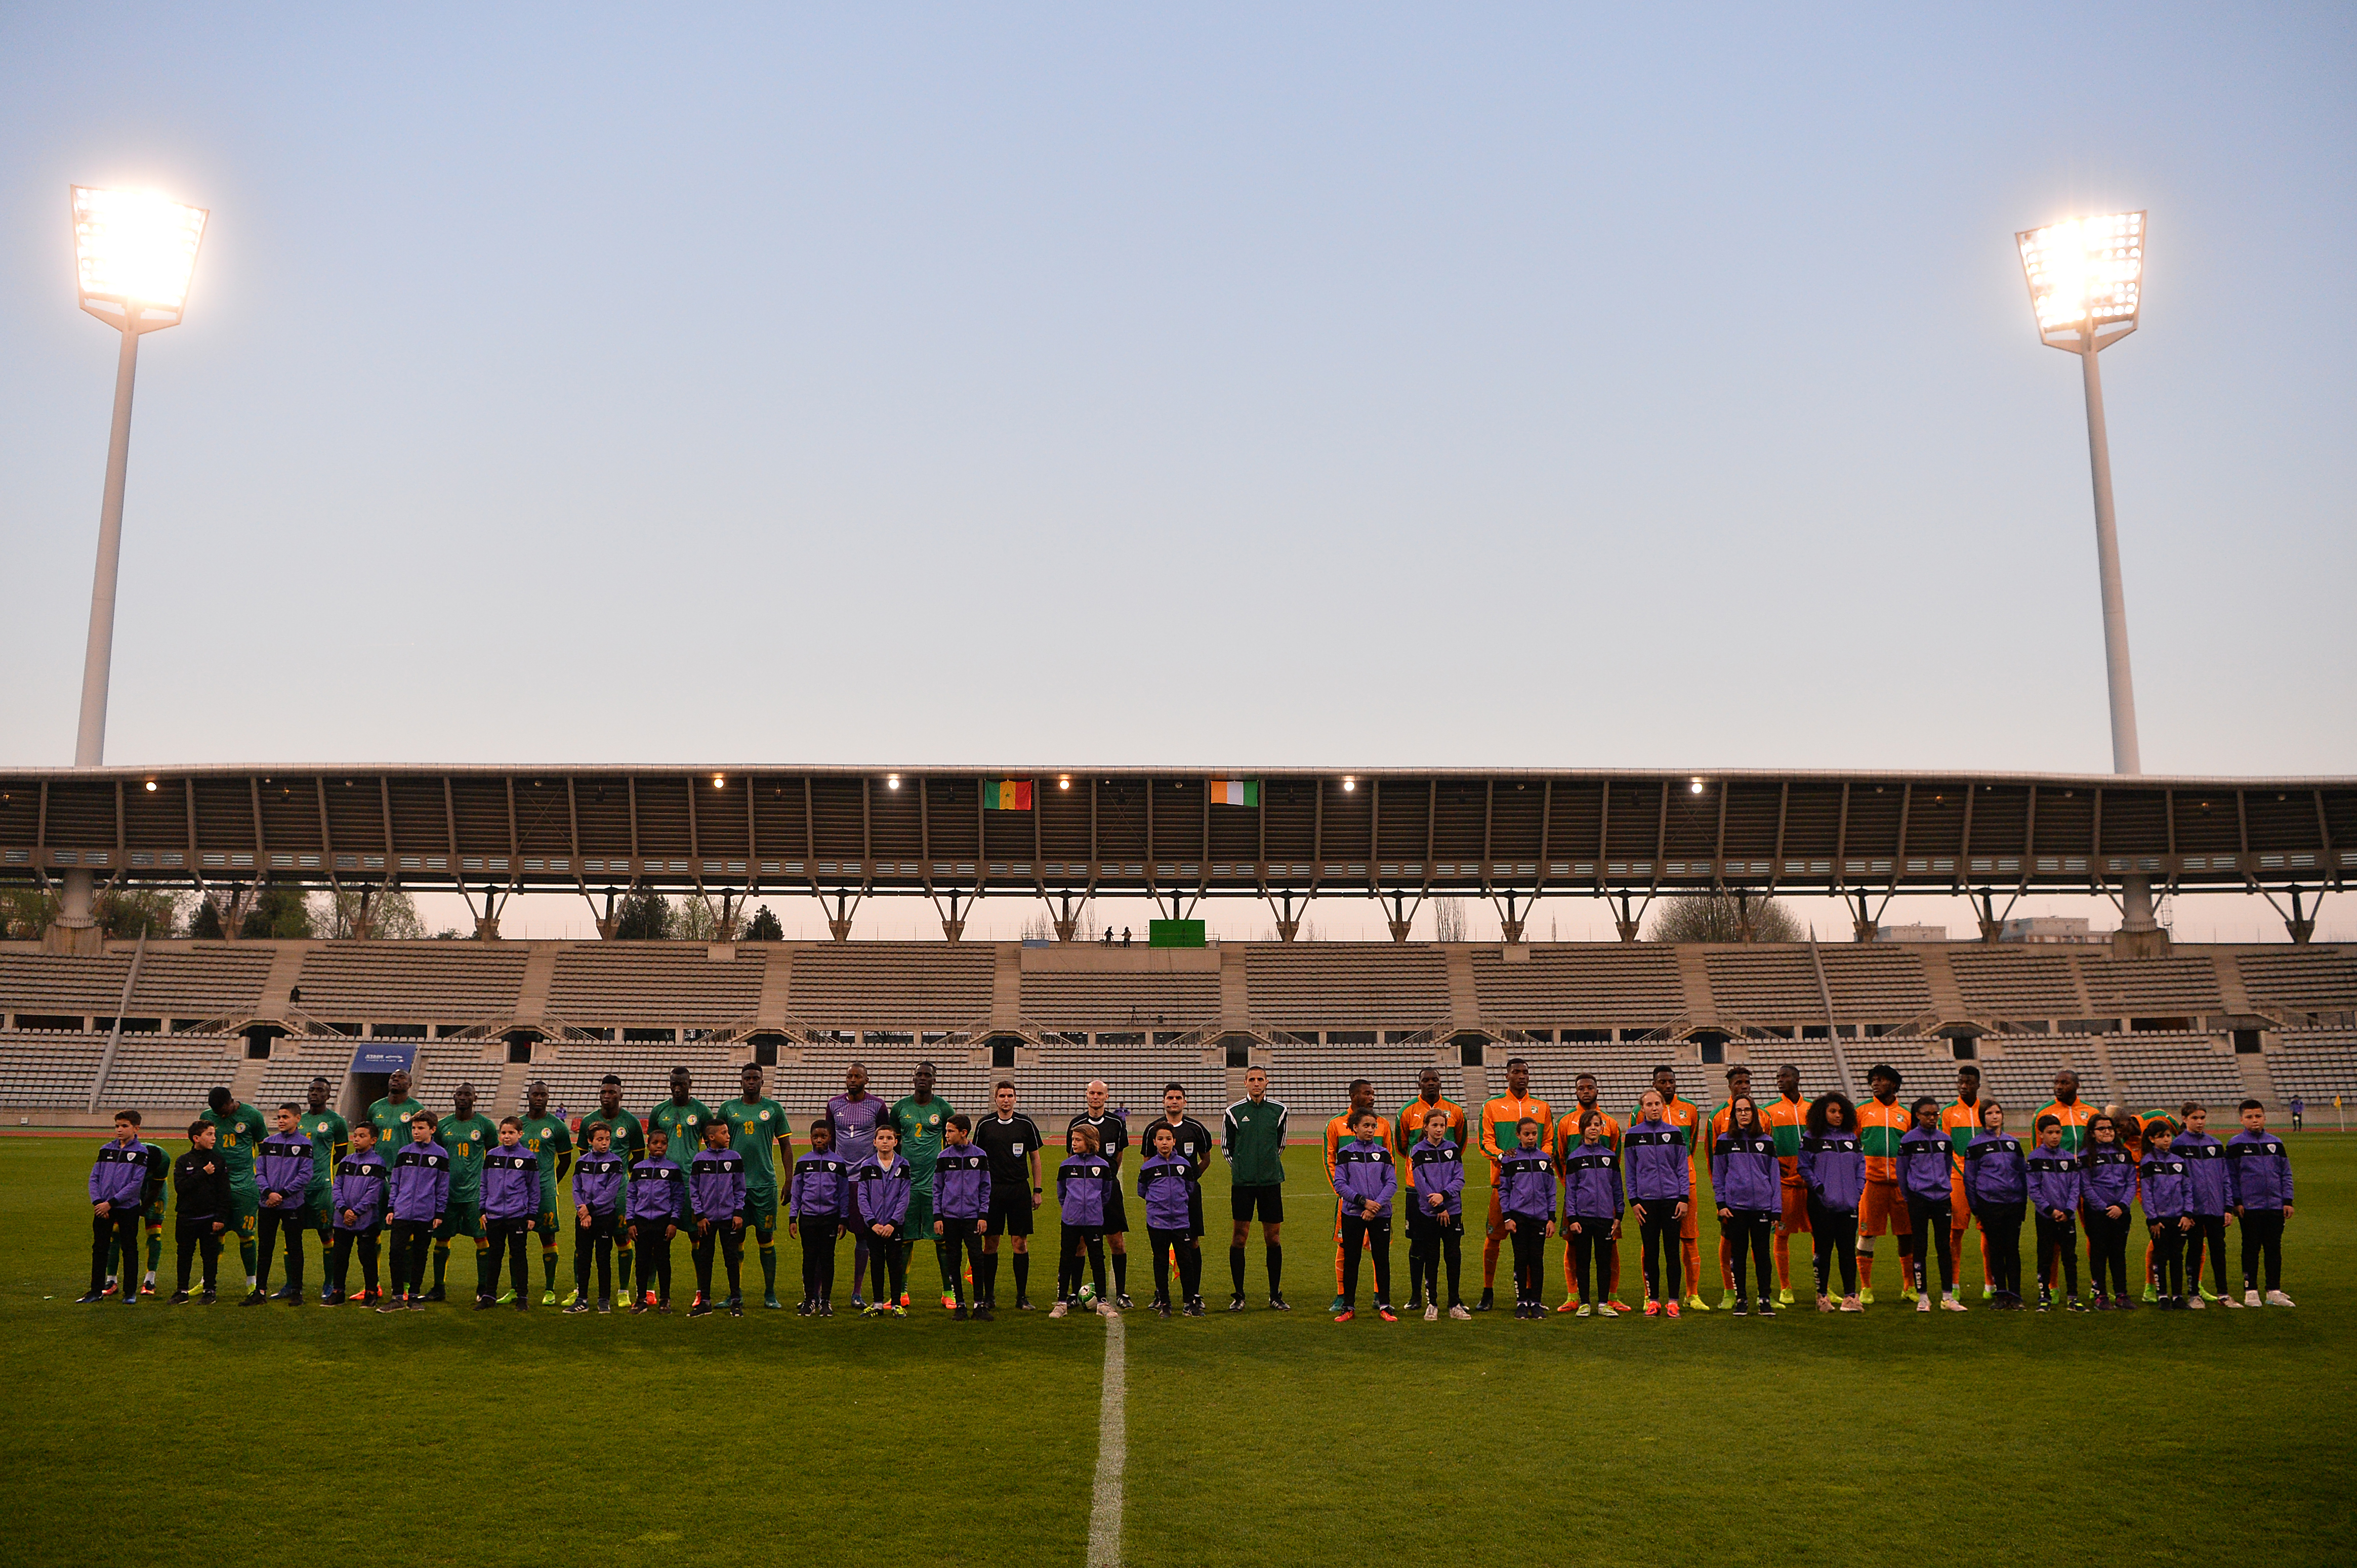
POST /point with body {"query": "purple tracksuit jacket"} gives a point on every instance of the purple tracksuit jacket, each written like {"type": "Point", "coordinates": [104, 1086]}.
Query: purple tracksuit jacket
{"type": "Point", "coordinates": [119, 1175]}
{"type": "Point", "coordinates": [1526, 1183]}
{"type": "Point", "coordinates": [879, 1197]}
{"type": "Point", "coordinates": [2258, 1172]}
{"type": "Point", "coordinates": [1832, 1164]}
{"type": "Point", "coordinates": [2054, 1181]}
{"type": "Point", "coordinates": [716, 1183]}
{"type": "Point", "coordinates": [822, 1183]}
{"type": "Point", "coordinates": [1162, 1183]}
{"type": "Point", "coordinates": [960, 1182]}
{"type": "Point", "coordinates": [1654, 1154]}
{"type": "Point", "coordinates": [282, 1164]}
{"type": "Point", "coordinates": [1082, 1182]}
{"type": "Point", "coordinates": [359, 1186]}
{"type": "Point", "coordinates": [2108, 1179]}
{"type": "Point", "coordinates": [1746, 1173]}
{"type": "Point", "coordinates": [599, 1180]}
{"type": "Point", "coordinates": [1923, 1165]}
{"type": "Point", "coordinates": [2205, 1166]}
{"type": "Point", "coordinates": [658, 1193]}
{"type": "Point", "coordinates": [1438, 1170]}
{"type": "Point", "coordinates": [511, 1183]}
{"type": "Point", "coordinates": [1995, 1170]}
{"type": "Point", "coordinates": [2168, 1188]}
{"type": "Point", "coordinates": [1363, 1173]}
{"type": "Point", "coordinates": [1591, 1183]}
{"type": "Point", "coordinates": [418, 1191]}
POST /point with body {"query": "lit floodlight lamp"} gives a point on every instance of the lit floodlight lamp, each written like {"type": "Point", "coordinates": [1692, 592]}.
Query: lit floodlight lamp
{"type": "Point", "coordinates": [2085, 276]}
{"type": "Point", "coordinates": [2086, 288]}
{"type": "Point", "coordinates": [134, 254]}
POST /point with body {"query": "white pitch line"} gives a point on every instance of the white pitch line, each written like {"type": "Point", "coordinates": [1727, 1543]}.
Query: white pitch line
{"type": "Point", "coordinates": [1113, 1456]}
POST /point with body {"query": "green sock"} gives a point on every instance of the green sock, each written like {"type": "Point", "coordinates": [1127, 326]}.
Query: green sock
{"type": "Point", "coordinates": [154, 1250]}
{"type": "Point", "coordinates": [441, 1262]}
{"type": "Point", "coordinates": [548, 1266]}
{"type": "Point", "coordinates": [487, 1268]}
{"type": "Point", "coordinates": [769, 1268]}
{"type": "Point", "coordinates": [245, 1251]}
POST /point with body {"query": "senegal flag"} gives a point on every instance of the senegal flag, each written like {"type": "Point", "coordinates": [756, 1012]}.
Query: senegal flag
{"type": "Point", "coordinates": [1007, 794]}
{"type": "Point", "coordinates": [1234, 791]}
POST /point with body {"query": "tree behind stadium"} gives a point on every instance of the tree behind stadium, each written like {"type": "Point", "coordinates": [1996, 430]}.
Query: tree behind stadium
{"type": "Point", "coordinates": [1723, 918]}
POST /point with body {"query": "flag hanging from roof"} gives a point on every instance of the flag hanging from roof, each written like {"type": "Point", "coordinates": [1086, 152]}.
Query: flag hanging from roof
{"type": "Point", "coordinates": [1007, 794]}
{"type": "Point", "coordinates": [1234, 791]}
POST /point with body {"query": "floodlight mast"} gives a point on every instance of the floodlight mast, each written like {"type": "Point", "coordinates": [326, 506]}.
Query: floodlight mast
{"type": "Point", "coordinates": [134, 255]}
{"type": "Point", "coordinates": [2086, 290]}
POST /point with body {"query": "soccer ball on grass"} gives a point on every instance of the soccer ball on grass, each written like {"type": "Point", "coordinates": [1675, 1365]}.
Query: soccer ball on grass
{"type": "Point", "coordinates": [1088, 1298]}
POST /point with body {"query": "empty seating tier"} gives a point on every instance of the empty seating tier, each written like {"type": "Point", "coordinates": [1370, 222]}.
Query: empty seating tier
{"type": "Point", "coordinates": [601, 984]}
{"type": "Point", "coordinates": [1875, 982]}
{"type": "Point", "coordinates": [2117, 987]}
{"type": "Point", "coordinates": [40, 983]}
{"type": "Point", "coordinates": [296, 1060]}
{"type": "Point", "coordinates": [576, 1068]}
{"type": "Point", "coordinates": [1342, 985]}
{"type": "Point", "coordinates": [1057, 1088]}
{"type": "Point", "coordinates": [1996, 984]}
{"type": "Point", "coordinates": [1765, 985]}
{"type": "Point", "coordinates": [2306, 978]}
{"type": "Point", "coordinates": [171, 1072]}
{"type": "Point", "coordinates": [1113, 1000]}
{"type": "Point", "coordinates": [442, 1065]}
{"type": "Point", "coordinates": [1623, 1073]}
{"type": "Point", "coordinates": [2316, 1064]}
{"type": "Point", "coordinates": [1820, 1072]}
{"type": "Point", "coordinates": [409, 981]}
{"type": "Point", "coordinates": [1626, 985]}
{"type": "Point", "coordinates": [2167, 1069]}
{"type": "Point", "coordinates": [49, 1068]}
{"type": "Point", "coordinates": [901, 983]}
{"type": "Point", "coordinates": [805, 1088]}
{"type": "Point", "coordinates": [2022, 1077]}
{"type": "Point", "coordinates": [1314, 1081]}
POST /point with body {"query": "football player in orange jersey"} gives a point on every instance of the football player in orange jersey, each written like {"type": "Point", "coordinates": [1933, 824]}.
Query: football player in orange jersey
{"type": "Point", "coordinates": [1882, 1121]}
{"type": "Point", "coordinates": [1500, 1117]}
{"type": "Point", "coordinates": [1567, 1137]}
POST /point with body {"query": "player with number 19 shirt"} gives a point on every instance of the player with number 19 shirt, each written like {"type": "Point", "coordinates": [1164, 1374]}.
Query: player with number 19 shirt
{"type": "Point", "coordinates": [757, 1131]}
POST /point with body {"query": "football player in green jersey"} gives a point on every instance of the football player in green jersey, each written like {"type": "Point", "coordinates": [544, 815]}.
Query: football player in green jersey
{"type": "Point", "coordinates": [240, 1128]}
{"type": "Point", "coordinates": [467, 1135]}
{"type": "Point", "coordinates": [921, 1115]}
{"type": "Point", "coordinates": [330, 1135]}
{"type": "Point", "coordinates": [548, 1137]}
{"type": "Point", "coordinates": [757, 1131]}
{"type": "Point", "coordinates": [390, 1116]}
{"type": "Point", "coordinates": [680, 1121]}
{"type": "Point", "coordinates": [629, 1139]}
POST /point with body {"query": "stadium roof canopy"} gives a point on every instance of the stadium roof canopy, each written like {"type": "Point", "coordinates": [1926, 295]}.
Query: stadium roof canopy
{"type": "Point", "coordinates": [1161, 832]}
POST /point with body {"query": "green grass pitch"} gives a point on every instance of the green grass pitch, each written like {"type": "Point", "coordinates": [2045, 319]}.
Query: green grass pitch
{"type": "Point", "coordinates": [231, 1434]}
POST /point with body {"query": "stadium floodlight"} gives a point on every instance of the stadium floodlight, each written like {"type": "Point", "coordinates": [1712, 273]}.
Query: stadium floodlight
{"type": "Point", "coordinates": [2086, 289]}
{"type": "Point", "coordinates": [134, 253]}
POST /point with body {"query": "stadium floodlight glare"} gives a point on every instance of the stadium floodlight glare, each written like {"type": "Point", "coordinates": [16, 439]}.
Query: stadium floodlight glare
{"type": "Point", "coordinates": [2086, 290]}
{"type": "Point", "coordinates": [134, 253]}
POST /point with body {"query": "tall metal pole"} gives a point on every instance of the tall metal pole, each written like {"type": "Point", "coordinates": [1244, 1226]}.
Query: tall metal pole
{"type": "Point", "coordinates": [2125, 755]}
{"type": "Point", "coordinates": [2136, 921]}
{"type": "Point", "coordinates": [98, 656]}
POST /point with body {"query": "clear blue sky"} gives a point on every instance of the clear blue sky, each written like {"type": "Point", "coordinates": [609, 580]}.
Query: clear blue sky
{"type": "Point", "coordinates": [1308, 385]}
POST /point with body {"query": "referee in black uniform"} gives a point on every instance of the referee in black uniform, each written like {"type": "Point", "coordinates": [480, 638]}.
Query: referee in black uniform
{"type": "Point", "coordinates": [1194, 1143]}
{"type": "Point", "coordinates": [1113, 1137]}
{"type": "Point", "coordinates": [1012, 1142]}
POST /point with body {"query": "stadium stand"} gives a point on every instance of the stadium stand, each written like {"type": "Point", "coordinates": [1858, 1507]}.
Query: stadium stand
{"type": "Point", "coordinates": [42, 986]}
{"type": "Point", "coordinates": [1623, 1073]}
{"type": "Point", "coordinates": [206, 980]}
{"type": "Point", "coordinates": [805, 1088]}
{"type": "Point", "coordinates": [2119, 987]}
{"type": "Point", "coordinates": [1625, 986]}
{"type": "Point", "coordinates": [1765, 985]}
{"type": "Point", "coordinates": [1926, 1064]}
{"type": "Point", "coordinates": [2165, 1069]}
{"type": "Point", "coordinates": [407, 982]}
{"type": "Point", "coordinates": [1999, 984]}
{"type": "Point", "coordinates": [1085, 1001]}
{"type": "Point", "coordinates": [901, 983]}
{"type": "Point", "coordinates": [1819, 1071]}
{"type": "Point", "coordinates": [49, 1068]}
{"type": "Point", "coordinates": [1346, 985]}
{"type": "Point", "coordinates": [169, 1072]}
{"type": "Point", "coordinates": [2305, 979]}
{"type": "Point", "coordinates": [2316, 1064]}
{"type": "Point", "coordinates": [2022, 1077]}
{"type": "Point", "coordinates": [441, 1067]}
{"type": "Point", "coordinates": [573, 1069]}
{"type": "Point", "coordinates": [1875, 982]}
{"type": "Point", "coordinates": [1314, 1080]}
{"type": "Point", "coordinates": [599, 985]}
{"type": "Point", "coordinates": [297, 1059]}
{"type": "Point", "coordinates": [1133, 1075]}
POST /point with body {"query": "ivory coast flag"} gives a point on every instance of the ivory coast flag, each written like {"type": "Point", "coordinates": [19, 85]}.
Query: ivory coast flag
{"type": "Point", "coordinates": [1234, 791]}
{"type": "Point", "coordinates": [1007, 794]}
